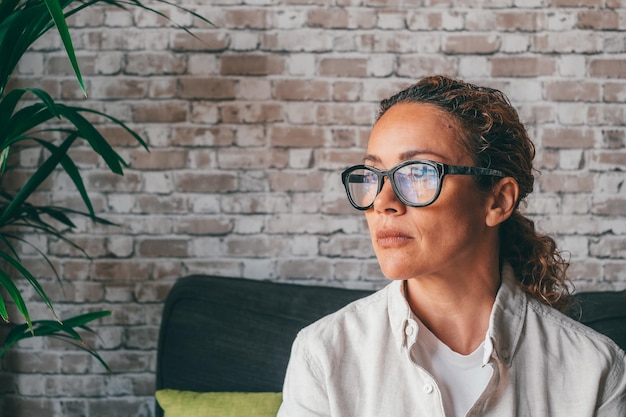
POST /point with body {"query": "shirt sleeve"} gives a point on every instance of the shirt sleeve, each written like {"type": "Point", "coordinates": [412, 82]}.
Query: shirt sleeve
{"type": "Point", "coordinates": [614, 398]}
{"type": "Point", "coordinates": [304, 390]}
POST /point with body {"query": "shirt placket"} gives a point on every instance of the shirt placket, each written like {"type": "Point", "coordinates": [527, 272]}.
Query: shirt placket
{"type": "Point", "coordinates": [429, 393]}
{"type": "Point", "coordinates": [479, 409]}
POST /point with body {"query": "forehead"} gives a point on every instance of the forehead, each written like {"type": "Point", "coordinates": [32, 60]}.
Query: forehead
{"type": "Point", "coordinates": [416, 130]}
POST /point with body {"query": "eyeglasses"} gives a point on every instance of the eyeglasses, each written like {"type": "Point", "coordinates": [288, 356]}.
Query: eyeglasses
{"type": "Point", "coordinates": [416, 183]}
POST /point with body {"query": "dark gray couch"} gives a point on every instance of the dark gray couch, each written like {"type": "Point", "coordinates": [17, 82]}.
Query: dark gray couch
{"type": "Point", "coordinates": [233, 334]}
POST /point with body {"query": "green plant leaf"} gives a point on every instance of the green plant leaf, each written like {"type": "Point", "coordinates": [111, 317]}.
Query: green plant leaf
{"type": "Point", "coordinates": [31, 279]}
{"type": "Point", "coordinates": [24, 23]}
{"type": "Point", "coordinates": [14, 293]}
{"type": "Point", "coordinates": [37, 178]}
{"type": "Point", "coordinates": [72, 171]}
{"type": "Point", "coordinates": [4, 155]}
{"type": "Point", "coordinates": [6, 7]}
{"type": "Point", "coordinates": [84, 347]}
{"type": "Point", "coordinates": [4, 314]}
{"type": "Point", "coordinates": [8, 103]}
{"type": "Point", "coordinates": [98, 143]}
{"type": "Point", "coordinates": [59, 20]}
{"type": "Point", "coordinates": [26, 119]}
{"type": "Point", "coordinates": [62, 330]}
{"type": "Point", "coordinates": [116, 121]}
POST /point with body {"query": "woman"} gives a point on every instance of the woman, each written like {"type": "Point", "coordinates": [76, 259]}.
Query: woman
{"type": "Point", "coordinates": [469, 324]}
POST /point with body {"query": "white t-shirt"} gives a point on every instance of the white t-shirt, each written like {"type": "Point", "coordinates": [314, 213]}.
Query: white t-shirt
{"type": "Point", "coordinates": [461, 378]}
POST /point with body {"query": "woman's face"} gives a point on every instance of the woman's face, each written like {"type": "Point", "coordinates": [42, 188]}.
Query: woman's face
{"type": "Point", "coordinates": [441, 239]}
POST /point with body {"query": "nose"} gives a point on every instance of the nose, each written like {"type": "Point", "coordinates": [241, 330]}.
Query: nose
{"type": "Point", "coordinates": [387, 201]}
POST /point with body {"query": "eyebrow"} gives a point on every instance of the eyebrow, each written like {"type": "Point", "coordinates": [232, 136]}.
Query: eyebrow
{"type": "Point", "coordinates": [404, 156]}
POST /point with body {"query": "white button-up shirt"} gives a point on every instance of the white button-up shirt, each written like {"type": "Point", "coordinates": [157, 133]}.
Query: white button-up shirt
{"type": "Point", "coordinates": [357, 363]}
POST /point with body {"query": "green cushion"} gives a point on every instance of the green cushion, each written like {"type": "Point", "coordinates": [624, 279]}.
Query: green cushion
{"type": "Point", "coordinates": [218, 404]}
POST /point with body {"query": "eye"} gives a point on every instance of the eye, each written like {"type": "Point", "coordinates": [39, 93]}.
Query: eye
{"type": "Point", "coordinates": [421, 171]}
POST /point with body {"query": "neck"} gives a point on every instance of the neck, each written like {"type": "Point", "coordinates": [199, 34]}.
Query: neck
{"type": "Point", "coordinates": [456, 309]}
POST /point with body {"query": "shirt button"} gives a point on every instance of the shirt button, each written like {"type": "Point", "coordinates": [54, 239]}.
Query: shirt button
{"type": "Point", "coordinates": [428, 388]}
{"type": "Point", "coordinates": [408, 331]}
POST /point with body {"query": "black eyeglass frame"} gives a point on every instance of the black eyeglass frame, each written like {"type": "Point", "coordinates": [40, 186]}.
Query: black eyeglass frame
{"type": "Point", "coordinates": [441, 168]}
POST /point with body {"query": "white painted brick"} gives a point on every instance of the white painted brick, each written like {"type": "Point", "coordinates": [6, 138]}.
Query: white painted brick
{"type": "Point", "coordinates": [528, 4]}
{"type": "Point", "coordinates": [300, 113]}
{"type": "Point", "coordinates": [525, 90]}
{"type": "Point", "coordinates": [574, 114]}
{"type": "Point", "coordinates": [299, 41]}
{"type": "Point", "coordinates": [381, 65]}
{"type": "Point", "coordinates": [202, 247]}
{"type": "Point", "coordinates": [392, 20]}
{"type": "Point", "coordinates": [452, 20]}
{"type": "Point", "coordinates": [30, 385]}
{"type": "Point", "coordinates": [473, 66]}
{"type": "Point", "coordinates": [561, 20]}
{"type": "Point", "coordinates": [259, 268]}
{"type": "Point", "coordinates": [31, 64]}
{"type": "Point", "coordinates": [156, 135]}
{"type": "Point", "coordinates": [576, 203]}
{"type": "Point", "coordinates": [120, 246]}
{"type": "Point", "coordinates": [254, 89]}
{"type": "Point", "coordinates": [304, 246]}
{"type": "Point", "coordinates": [202, 64]}
{"type": "Point", "coordinates": [302, 65]}
{"type": "Point", "coordinates": [611, 183]}
{"type": "Point", "coordinates": [205, 204]}
{"type": "Point", "coordinates": [144, 18]}
{"type": "Point", "coordinates": [542, 204]}
{"type": "Point", "coordinates": [572, 66]}
{"type": "Point", "coordinates": [575, 246]}
{"type": "Point", "coordinates": [289, 19]}
{"type": "Point", "coordinates": [615, 43]}
{"type": "Point", "coordinates": [158, 182]}
{"type": "Point", "coordinates": [344, 42]}
{"type": "Point", "coordinates": [118, 18]}
{"type": "Point", "coordinates": [249, 224]}
{"type": "Point", "coordinates": [204, 112]}
{"type": "Point", "coordinates": [109, 63]}
{"type": "Point", "coordinates": [514, 43]}
{"type": "Point", "coordinates": [121, 203]}
{"type": "Point", "coordinates": [251, 136]}
{"type": "Point", "coordinates": [571, 159]}
{"type": "Point", "coordinates": [244, 41]}
{"type": "Point", "coordinates": [300, 158]}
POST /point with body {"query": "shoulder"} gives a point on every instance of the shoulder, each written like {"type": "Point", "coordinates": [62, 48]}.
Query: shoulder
{"type": "Point", "coordinates": [559, 329]}
{"type": "Point", "coordinates": [519, 317]}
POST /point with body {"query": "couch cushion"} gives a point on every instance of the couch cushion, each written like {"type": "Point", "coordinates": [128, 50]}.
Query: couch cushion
{"type": "Point", "coordinates": [218, 404]}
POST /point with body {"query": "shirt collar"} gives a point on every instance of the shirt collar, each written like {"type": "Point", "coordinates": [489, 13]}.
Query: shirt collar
{"type": "Point", "coordinates": [505, 323]}
{"type": "Point", "coordinates": [507, 316]}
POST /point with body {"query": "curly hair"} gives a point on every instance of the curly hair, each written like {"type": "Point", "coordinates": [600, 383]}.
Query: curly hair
{"type": "Point", "coordinates": [495, 138]}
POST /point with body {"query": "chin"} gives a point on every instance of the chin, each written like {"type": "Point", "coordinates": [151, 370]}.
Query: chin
{"type": "Point", "coordinates": [395, 273]}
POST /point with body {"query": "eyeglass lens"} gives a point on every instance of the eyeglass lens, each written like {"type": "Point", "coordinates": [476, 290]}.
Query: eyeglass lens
{"type": "Point", "coordinates": [416, 183]}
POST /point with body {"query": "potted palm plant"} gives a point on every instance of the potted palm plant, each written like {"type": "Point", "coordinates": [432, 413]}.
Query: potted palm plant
{"type": "Point", "coordinates": [30, 117]}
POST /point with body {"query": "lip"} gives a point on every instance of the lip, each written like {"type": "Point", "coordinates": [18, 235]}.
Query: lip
{"type": "Point", "coordinates": [389, 238]}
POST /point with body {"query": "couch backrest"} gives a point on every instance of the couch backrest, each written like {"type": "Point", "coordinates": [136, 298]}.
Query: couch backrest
{"type": "Point", "coordinates": [231, 334]}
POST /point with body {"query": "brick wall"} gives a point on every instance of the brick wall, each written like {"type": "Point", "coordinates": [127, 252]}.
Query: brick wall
{"type": "Point", "coordinates": [250, 126]}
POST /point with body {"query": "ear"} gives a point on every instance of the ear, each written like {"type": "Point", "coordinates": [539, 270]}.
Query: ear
{"type": "Point", "coordinates": [502, 201]}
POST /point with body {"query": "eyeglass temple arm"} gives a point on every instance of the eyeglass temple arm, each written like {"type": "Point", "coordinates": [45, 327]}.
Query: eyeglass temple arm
{"type": "Point", "coordinates": [461, 170]}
